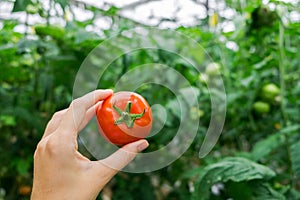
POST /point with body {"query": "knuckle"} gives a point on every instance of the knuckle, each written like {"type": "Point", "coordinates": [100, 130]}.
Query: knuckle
{"type": "Point", "coordinates": [56, 117]}
{"type": "Point", "coordinates": [57, 114]}
{"type": "Point", "coordinates": [75, 102]}
{"type": "Point", "coordinates": [50, 127]}
{"type": "Point", "coordinates": [48, 147]}
{"type": "Point", "coordinates": [52, 148]}
{"type": "Point", "coordinates": [41, 145]}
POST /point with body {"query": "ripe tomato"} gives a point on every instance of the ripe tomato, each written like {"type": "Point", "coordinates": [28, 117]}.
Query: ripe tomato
{"type": "Point", "coordinates": [124, 117]}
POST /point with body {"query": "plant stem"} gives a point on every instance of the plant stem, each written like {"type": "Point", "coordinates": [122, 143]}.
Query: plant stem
{"type": "Point", "coordinates": [282, 73]}
{"type": "Point", "coordinates": [282, 94]}
{"type": "Point", "coordinates": [48, 12]}
{"type": "Point", "coordinates": [26, 25]}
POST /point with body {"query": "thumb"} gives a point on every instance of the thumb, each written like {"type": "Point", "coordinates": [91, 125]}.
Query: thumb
{"type": "Point", "coordinates": [123, 156]}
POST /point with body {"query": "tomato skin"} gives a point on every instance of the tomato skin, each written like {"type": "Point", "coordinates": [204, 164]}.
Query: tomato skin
{"type": "Point", "coordinates": [120, 134]}
{"type": "Point", "coordinates": [213, 69]}
{"type": "Point", "coordinates": [261, 107]}
{"type": "Point", "coordinates": [270, 91]}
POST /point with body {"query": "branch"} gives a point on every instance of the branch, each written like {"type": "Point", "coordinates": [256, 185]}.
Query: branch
{"type": "Point", "coordinates": [161, 20]}
{"type": "Point", "coordinates": [136, 4]}
{"type": "Point", "coordinates": [87, 6]}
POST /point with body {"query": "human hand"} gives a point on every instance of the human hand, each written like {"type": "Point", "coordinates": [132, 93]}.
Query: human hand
{"type": "Point", "coordinates": [60, 171]}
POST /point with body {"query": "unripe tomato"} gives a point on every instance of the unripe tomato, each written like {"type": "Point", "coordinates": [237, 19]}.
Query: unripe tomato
{"type": "Point", "coordinates": [195, 113]}
{"type": "Point", "coordinates": [31, 9]}
{"type": "Point", "coordinates": [124, 117]}
{"type": "Point", "coordinates": [213, 69]}
{"type": "Point", "coordinates": [270, 91]}
{"type": "Point", "coordinates": [261, 107]}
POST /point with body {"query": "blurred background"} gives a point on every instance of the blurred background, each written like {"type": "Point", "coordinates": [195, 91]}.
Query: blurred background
{"type": "Point", "coordinates": [254, 45]}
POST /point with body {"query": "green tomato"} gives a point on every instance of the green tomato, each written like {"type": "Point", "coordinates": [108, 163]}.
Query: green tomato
{"type": "Point", "coordinates": [196, 113]}
{"type": "Point", "coordinates": [213, 69]}
{"type": "Point", "coordinates": [270, 91]}
{"type": "Point", "coordinates": [261, 107]}
{"type": "Point", "coordinates": [32, 9]}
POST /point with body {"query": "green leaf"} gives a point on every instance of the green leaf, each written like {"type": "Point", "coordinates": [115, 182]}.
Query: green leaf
{"type": "Point", "coordinates": [263, 191]}
{"type": "Point", "coordinates": [7, 120]}
{"type": "Point", "coordinates": [295, 158]}
{"type": "Point", "coordinates": [263, 63]}
{"type": "Point", "coordinates": [112, 11]}
{"type": "Point", "coordinates": [174, 106]}
{"type": "Point", "coordinates": [256, 189]}
{"type": "Point", "coordinates": [83, 36]}
{"type": "Point", "coordinates": [20, 5]}
{"type": "Point", "coordinates": [189, 92]}
{"type": "Point", "coordinates": [29, 117]}
{"type": "Point", "coordinates": [234, 169]}
{"type": "Point", "coordinates": [55, 31]}
{"type": "Point", "coordinates": [23, 165]}
{"type": "Point", "coordinates": [266, 146]}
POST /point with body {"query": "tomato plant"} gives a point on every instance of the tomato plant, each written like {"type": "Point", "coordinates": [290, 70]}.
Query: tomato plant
{"type": "Point", "coordinates": [124, 117]}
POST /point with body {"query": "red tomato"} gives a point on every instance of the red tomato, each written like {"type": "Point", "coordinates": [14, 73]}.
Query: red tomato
{"type": "Point", "coordinates": [124, 117]}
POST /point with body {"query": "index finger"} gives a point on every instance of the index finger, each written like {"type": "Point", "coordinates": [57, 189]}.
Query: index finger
{"type": "Point", "coordinates": [77, 110]}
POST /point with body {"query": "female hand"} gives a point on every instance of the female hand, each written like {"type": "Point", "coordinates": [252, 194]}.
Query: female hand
{"type": "Point", "coordinates": [60, 171]}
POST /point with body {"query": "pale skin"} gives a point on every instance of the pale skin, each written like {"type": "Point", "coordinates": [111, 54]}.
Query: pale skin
{"type": "Point", "coordinates": [60, 170]}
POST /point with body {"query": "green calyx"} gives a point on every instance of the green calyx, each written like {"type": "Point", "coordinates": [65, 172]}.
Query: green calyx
{"type": "Point", "coordinates": [126, 117]}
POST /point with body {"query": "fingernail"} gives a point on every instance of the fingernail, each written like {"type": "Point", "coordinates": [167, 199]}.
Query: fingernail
{"type": "Point", "coordinates": [142, 146]}
{"type": "Point", "coordinates": [105, 90]}
{"type": "Point", "coordinates": [109, 90]}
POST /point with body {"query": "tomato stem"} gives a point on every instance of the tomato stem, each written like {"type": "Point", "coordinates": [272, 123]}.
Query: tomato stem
{"type": "Point", "coordinates": [125, 116]}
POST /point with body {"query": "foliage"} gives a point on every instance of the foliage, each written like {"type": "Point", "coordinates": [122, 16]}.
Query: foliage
{"type": "Point", "coordinates": [257, 156]}
{"type": "Point", "coordinates": [233, 169]}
